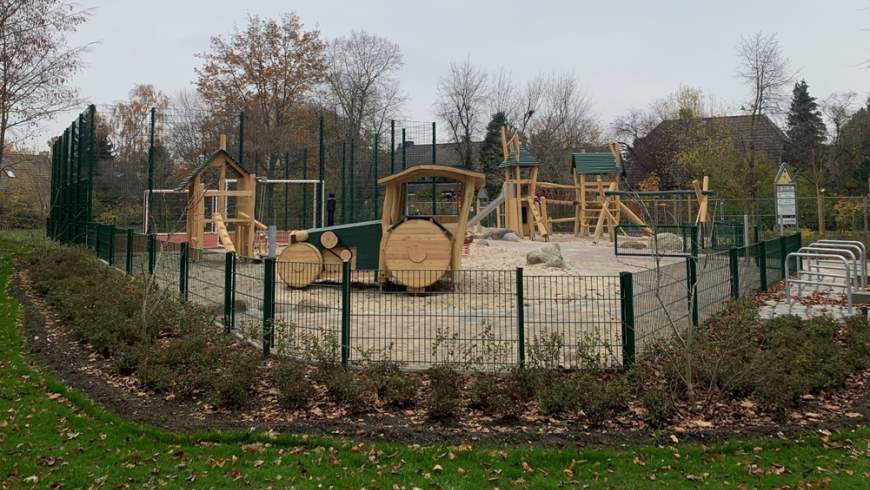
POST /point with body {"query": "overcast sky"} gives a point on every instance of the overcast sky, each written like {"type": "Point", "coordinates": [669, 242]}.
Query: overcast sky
{"type": "Point", "coordinates": [625, 53]}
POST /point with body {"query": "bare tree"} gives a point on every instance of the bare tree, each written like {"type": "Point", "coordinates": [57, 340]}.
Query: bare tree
{"type": "Point", "coordinates": [563, 122]}
{"type": "Point", "coordinates": [503, 96]}
{"type": "Point", "coordinates": [838, 108]}
{"type": "Point", "coordinates": [764, 69]}
{"type": "Point", "coordinates": [462, 97]}
{"type": "Point", "coordinates": [361, 80]}
{"type": "Point", "coordinates": [189, 135]}
{"type": "Point", "coordinates": [530, 101]}
{"type": "Point", "coordinates": [36, 64]}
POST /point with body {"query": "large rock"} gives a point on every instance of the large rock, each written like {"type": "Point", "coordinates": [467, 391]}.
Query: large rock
{"type": "Point", "coordinates": [633, 245]}
{"type": "Point", "coordinates": [668, 242]}
{"type": "Point", "coordinates": [510, 237]}
{"type": "Point", "coordinates": [497, 234]}
{"type": "Point", "coordinates": [550, 255]}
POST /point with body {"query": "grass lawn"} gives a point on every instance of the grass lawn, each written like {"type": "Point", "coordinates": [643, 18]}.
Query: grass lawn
{"type": "Point", "coordinates": [51, 436]}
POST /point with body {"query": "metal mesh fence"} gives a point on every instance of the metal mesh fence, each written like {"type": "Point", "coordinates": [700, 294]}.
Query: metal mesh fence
{"type": "Point", "coordinates": [713, 288]}
{"type": "Point", "coordinates": [139, 252]}
{"type": "Point", "coordinates": [774, 261]}
{"type": "Point", "coordinates": [118, 250]}
{"type": "Point", "coordinates": [661, 304]}
{"type": "Point", "coordinates": [467, 318]}
{"type": "Point", "coordinates": [660, 240]}
{"type": "Point", "coordinates": [205, 281]}
{"type": "Point", "coordinates": [307, 321]}
{"type": "Point", "coordinates": [249, 290]}
{"type": "Point", "coordinates": [583, 312]}
{"type": "Point", "coordinates": [167, 264]}
{"type": "Point", "coordinates": [749, 270]}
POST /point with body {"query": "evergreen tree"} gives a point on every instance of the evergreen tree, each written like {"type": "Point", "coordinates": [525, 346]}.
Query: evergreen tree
{"type": "Point", "coordinates": [491, 154]}
{"type": "Point", "coordinates": [806, 129]}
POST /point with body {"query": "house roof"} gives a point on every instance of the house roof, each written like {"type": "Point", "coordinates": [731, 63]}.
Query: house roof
{"type": "Point", "coordinates": [595, 163]}
{"type": "Point", "coordinates": [28, 169]}
{"type": "Point", "coordinates": [526, 159]}
{"type": "Point", "coordinates": [769, 138]}
{"type": "Point", "coordinates": [208, 161]}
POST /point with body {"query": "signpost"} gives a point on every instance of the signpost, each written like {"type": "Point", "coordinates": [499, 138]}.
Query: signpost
{"type": "Point", "coordinates": [786, 194]}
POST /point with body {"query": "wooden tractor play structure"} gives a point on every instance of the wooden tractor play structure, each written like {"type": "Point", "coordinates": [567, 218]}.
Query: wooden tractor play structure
{"type": "Point", "coordinates": [410, 251]}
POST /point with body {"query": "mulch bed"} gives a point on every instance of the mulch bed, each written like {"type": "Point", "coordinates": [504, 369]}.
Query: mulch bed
{"type": "Point", "coordinates": [53, 348]}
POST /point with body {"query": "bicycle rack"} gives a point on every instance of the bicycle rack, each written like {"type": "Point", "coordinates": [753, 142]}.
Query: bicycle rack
{"type": "Point", "coordinates": [852, 245]}
{"type": "Point", "coordinates": [816, 256]}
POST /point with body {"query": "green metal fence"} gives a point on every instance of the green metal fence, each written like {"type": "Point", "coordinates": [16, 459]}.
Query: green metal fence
{"type": "Point", "coordinates": [668, 300]}
{"type": "Point", "coordinates": [480, 319]}
{"type": "Point", "coordinates": [660, 240]}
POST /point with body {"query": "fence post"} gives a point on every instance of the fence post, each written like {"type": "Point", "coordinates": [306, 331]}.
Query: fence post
{"type": "Point", "coordinates": [782, 256]}
{"type": "Point", "coordinates": [692, 285]}
{"type": "Point", "coordinates": [229, 291]}
{"type": "Point", "coordinates": [734, 264]}
{"type": "Point", "coordinates": [345, 312]}
{"type": "Point", "coordinates": [111, 244]}
{"type": "Point", "coordinates": [182, 271]}
{"type": "Point", "coordinates": [152, 252]}
{"type": "Point", "coordinates": [865, 214]}
{"type": "Point", "coordinates": [129, 262]}
{"type": "Point", "coordinates": [521, 320]}
{"type": "Point", "coordinates": [97, 235]}
{"type": "Point", "coordinates": [268, 304]}
{"type": "Point", "coordinates": [626, 301]}
{"type": "Point", "coordinates": [762, 264]}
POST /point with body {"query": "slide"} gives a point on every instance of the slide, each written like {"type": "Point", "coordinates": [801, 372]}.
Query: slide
{"type": "Point", "coordinates": [487, 210]}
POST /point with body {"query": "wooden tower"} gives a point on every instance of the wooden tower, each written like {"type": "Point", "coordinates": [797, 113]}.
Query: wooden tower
{"type": "Point", "coordinates": [222, 167]}
{"type": "Point", "coordinates": [522, 211]}
{"type": "Point", "coordinates": [595, 174]}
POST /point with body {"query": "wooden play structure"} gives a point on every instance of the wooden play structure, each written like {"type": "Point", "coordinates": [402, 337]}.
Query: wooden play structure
{"type": "Point", "coordinates": [594, 198]}
{"type": "Point", "coordinates": [410, 251]}
{"type": "Point", "coordinates": [211, 178]}
{"type": "Point", "coordinates": [522, 207]}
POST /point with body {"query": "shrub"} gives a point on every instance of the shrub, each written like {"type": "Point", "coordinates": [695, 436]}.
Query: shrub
{"type": "Point", "coordinates": [490, 396]}
{"type": "Point", "coordinates": [444, 397]}
{"type": "Point", "coordinates": [391, 385]}
{"type": "Point", "coordinates": [775, 362]}
{"type": "Point", "coordinates": [523, 383]}
{"type": "Point", "coordinates": [126, 360]}
{"type": "Point", "coordinates": [556, 397]}
{"type": "Point", "coordinates": [173, 346]}
{"type": "Point", "coordinates": [545, 350]}
{"type": "Point", "coordinates": [294, 388]}
{"type": "Point", "coordinates": [659, 407]}
{"type": "Point", "coordinates": [344, 387]}
{"type": "Point", "coordinates": [154, 376]}
{"type": "Point", "coordinates": [599, 399]}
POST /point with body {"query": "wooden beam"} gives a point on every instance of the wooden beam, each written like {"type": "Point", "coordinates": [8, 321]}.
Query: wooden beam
{"type": "Point", "coordinates": [223, 234]}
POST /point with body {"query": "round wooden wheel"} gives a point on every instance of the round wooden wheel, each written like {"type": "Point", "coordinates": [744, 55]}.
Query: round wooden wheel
{"type": "Point", "coordinates": [332, 262]}
{"type": "Point", "coordinates": [417, 253]}
{"type": "Point", "coordinates": [299, 264]}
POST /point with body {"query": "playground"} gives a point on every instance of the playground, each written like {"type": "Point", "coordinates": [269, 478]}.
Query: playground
{"type": "Point", "coordinates": [427, 269]}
